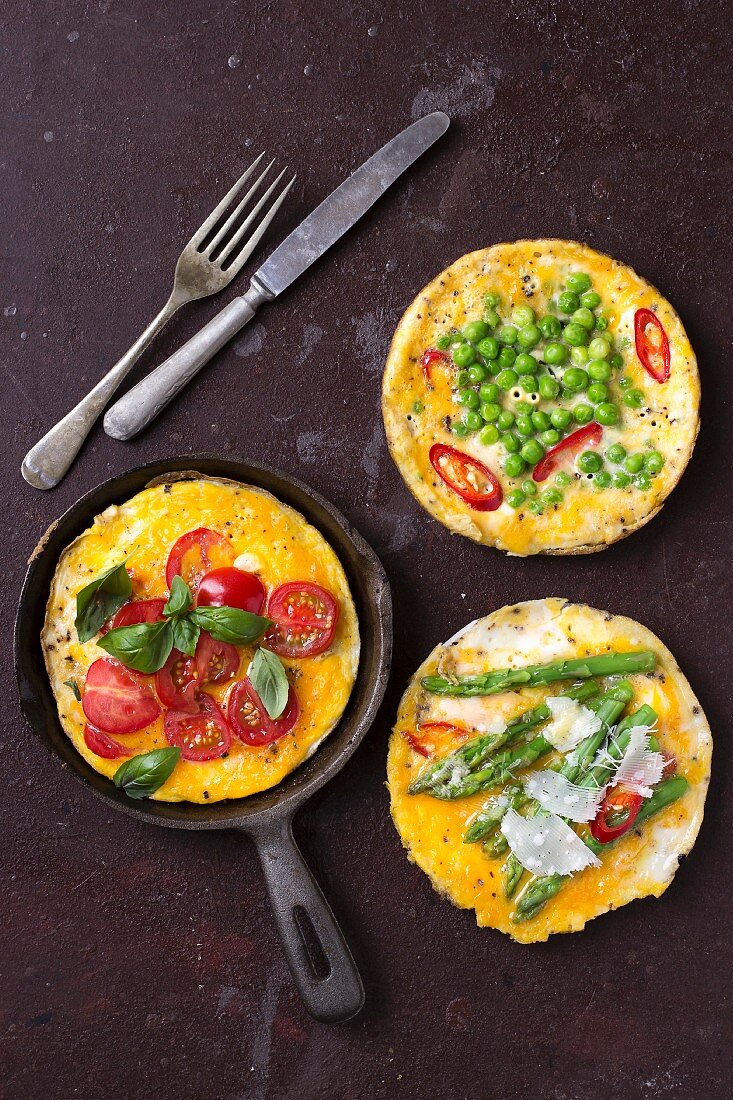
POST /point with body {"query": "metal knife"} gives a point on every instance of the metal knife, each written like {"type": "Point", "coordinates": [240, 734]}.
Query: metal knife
{"type": "Point", "coordinates": [304, 246]}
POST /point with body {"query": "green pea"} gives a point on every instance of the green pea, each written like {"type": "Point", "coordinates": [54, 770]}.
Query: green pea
{"type": "Point", "coordinates": [507, 334]}
{"type": "Point", "coordinates": [514, 465]}
{"type": "Point", "coordinates": [443, 342]}
{"type": "Point", "coordinates": [535, 506]}
{"type": "Point", "coordinates": [621, 480]}
{"type": "Point", "coordinates": [643, 481]}
{"type": "Point", "coordinates": [597, 392]}
{"type": "Point", "coordinates": [468, 398]}
{"type": "Point", "coordinates": [489, 391]}
{"type": "Point", "coordinates": [590, 462]}
{"type": "Point", "coordinates": [584, 317]}
{"type": "Point", "coordinates": [653, 462]}
{"type": "Point", "coordinates": [563, 479]}
{"type": "Point", "coordinates": [491, 317]}
{"type": "Point", "coordinates": [616, 361]}
{"type": "Point", "coordinates": [579, 356]}
{"type": "Point", "coordinates": [602, 479]}
{"type": "Point", "coordinates": [560, 418]}
{"type": "Point", "coordinates": [601, 322]}
{"type": "Point", "coordinates": [490, 411]}
{"type": "Point", "coordinates": [555, 353]}
{"type": "Point", "coordinates": [524, 425]}
{"type": "Point", "coordinates": [540, 420]}
{"type": "Point", "coordinates": [575, 334]}
{"type": "Point", "coordinates": [516, 498]}
{"type": "Point", "coordinates": [599, 370]}
{"type": "Point", "coordinates": [523, 315]}
{"type": "Point", "coordinates": [522, 408]}
{"type": "Point", "coordinates": [550, 437]}
{"type": "Point", "coordinates": [616, 453]}
{"type": "Point", "coordinates": [551, 496]}
{"type": "Point", "coordinates": [634, 463]}
{"type": "Point", "coordinates": [489, 347]}
{"type": "Point", "coordinates": [472, 420]}
{"type": "Point", "coordinates": [583, 414]}
{"type": "Point", "coordinates": [550, 327]}
{"type": "Point", "coordinates": [511, 443]}
{"type": "Point", "coordinates": [462, 379]}
{"type": "Point", "coordinates": [634, 399]}
{"type": "Point", "coordinates": [599, 348]}
{"type": "Point", "coordinates": [528, 382]}
{"type": "Point", "coordinates": [507, 358]}
{"type": "Point", "coordinates": [529, 336]}
{"type": "Point", "coordinates": [607, 413]}
{"type": "Point", "coordinates": [506, 379]}
{"type": "Point", "coordinates": [491, 300]}
{"type": "Point", "coordinates": [589, 299]}
{"type": "Point", "coordinates": [459, 429]}
{"type": "Point", "coordinates": [529, 488]}
{"type": "Point", "coordinates": [478, 372]}
{"type": "Point", "coordinates": [418, 407]}
{"type": "Point", "coordinates": [532, 451]}
{"type": "Point", "coordinates": [578, 282]}
{"type": "Point", "coordinates": [464, 355]}
{"type": "Point", "coordinates": [624, 382]}
{"type": "Point", "coordinates": [489, 435]}
{"type": "Point", "coordinates": [505, 420]}
{"type": "Point", "coordinates": [568, 302]}
{"type": "Point", "coordinates": [525, 363]}
{"type": "Point", "coordinates": [575, 379]}
{"type": "Point", "coordinates": [475, 331]}
{"type": "Point", "coordinates": [549, 387]}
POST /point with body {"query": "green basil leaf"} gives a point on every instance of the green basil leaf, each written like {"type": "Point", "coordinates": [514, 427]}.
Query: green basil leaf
{"type": "Point", "coordinates": [140, 776]}
{"type": "Point", "coordinates": [230, 624]}
{"type": "Point", "coordinates": [75, 688]}
{"type": "Point", "coordinates": [185, 634]}
{"type": "Point", "coordinates": [180, 598]}
{"type": "Point", "coordinates": [144, 647]}
{"type": "Point", "coordinates": [268, 678]}
{"type": "Point", "coordinates": [100, 599]}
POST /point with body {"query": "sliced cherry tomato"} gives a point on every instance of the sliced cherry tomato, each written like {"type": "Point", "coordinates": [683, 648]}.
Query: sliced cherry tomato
{"type": "Point", "coordinates": [250, 721]}
{"type": "Point", "coordinates": [139, 611]}
{"type": "Point", "coordinates": [466, 476]}
{"type": "Point", "coordinates": [117, 700]}
{"type": "Point", "coordinates": [197, 553]}
{"type": "Point", "coordinates": [304, 619]}
{"type": "Point", "coordinates": [434, 738]}
{"type": "Point", "coordinates": [429, 359]}
{"type": "Point", "coordinates": [215, 661]}
{"type": "Point", "coordinates": [587, 436]}
{"type": "Point", "coordinates": [102, 744]}
{"type": "Point", "coordinates": [176, 682]}
{"type": "Point", "coordinates": [616, 814]}
{"type": "Point", "coordinates": [204, 735]}
{"type": "Point", "coordinates": [652, 345]}
{"type": "Point", "coordinates": [230, 587]}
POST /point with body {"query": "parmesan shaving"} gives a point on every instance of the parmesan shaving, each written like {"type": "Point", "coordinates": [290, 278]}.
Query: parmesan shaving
{"type": "Point", "coordinates": [558, 795]}
{"type": "Point", "coordinates": [571, 723]}
{"type": "Point", "coordinates": [545, 845]}
{"type": "Point", "coordinates": [640, 769]}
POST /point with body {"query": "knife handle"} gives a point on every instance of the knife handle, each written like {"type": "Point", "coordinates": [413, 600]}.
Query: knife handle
{"type": "Point", "coordinates": [148, 398]}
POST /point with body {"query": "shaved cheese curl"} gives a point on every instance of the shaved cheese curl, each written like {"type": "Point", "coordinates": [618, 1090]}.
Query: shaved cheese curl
{"type": "Point", "coordinates": [571, 723]}
{"type": "Point", "coordinates": [640, 768]}
{"type": "Point", "coordinates": [558, 795]}
{"type": "Point", "coordinates": [545, 845]}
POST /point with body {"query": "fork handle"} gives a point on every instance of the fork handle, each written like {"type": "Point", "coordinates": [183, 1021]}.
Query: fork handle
{"type": "Point", "coordinates": [47, 462]}
{"type": "Point", "coordinates": [148, 398]}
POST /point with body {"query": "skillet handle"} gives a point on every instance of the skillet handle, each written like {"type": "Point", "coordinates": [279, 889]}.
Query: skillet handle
{"type": "Point", "coordinates": [317, 953]}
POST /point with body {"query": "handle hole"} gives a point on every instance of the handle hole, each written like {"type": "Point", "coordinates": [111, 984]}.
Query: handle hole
{"type": "Point", "coordinates": [319, 964]}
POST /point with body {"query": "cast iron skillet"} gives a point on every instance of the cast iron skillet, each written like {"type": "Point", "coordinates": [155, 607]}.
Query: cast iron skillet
{"type": "Point", "coordinates": [317, 953]}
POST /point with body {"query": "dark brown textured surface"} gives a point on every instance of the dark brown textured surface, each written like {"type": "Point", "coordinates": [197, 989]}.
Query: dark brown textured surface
{"type": "Point", "coordinates": [142, 962]}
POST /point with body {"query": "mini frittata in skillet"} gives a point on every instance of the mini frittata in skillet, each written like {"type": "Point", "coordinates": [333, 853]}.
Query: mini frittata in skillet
{"type": "Point", "coordinates": [548, 764]}
{"type": "Point", "coordinates": [201, 641]}
{"type": "Point", "coordinates": [541, 398]}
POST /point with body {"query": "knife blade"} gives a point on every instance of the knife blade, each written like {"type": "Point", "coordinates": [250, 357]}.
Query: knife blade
{"type": "Point", "coordinates": [314, 236]}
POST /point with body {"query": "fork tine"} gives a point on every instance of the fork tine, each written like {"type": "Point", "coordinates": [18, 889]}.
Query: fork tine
{"type": "Point", "coordinates": [255, 238]}
{"type": "Point", "coordinates": [219, 210]}
{"type": "Point", "coordinates": [231, 220]}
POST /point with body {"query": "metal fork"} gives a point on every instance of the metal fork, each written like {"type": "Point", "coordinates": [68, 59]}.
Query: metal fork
{"type": "Point", "coordinates": [207, 264]}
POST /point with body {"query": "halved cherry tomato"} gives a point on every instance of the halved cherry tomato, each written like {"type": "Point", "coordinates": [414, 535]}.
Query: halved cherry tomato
{"type": "Point", "coordinates": [117, 700]}
{"type": "Point", "coordinates": [204, 735]}
{"type": "Point", "coordinates": [180, 678]}
{"type": "Point", "coordinates": [304, 619]}
{"type": "Point", "coordinates": [474, 482]}
{"type": "Point", "coordinates": [139, 611]}
{"type": "Point", "coordinates": [215, 661]}
{"type": "Point", "coordinates": [616, 814]}
{"type": "Point", "coordinates": [230, 587]}
{"type": "Point", "coordinates": [435, 737]}
{"type": "Point", "coordinates": [652, 345]}
{"type": "Point", "coordinates": [587, 436]}
{"type": "Point", "coordinates": [103, 745]}
{"type": "Point", "coordinates": [196, 553]}
{"type": "Point", "coordinates": [428, 360]}
{"type": "Point", "coordinates": [250, 721]}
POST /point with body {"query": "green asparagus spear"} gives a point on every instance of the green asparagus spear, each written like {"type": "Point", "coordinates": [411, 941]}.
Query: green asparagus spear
{"type": "Point", "coordinates": [580, 668]}
{"type": "Point", "coordinates": [477, 751]}
{"type": "Point", "coordinates": [491, 814]}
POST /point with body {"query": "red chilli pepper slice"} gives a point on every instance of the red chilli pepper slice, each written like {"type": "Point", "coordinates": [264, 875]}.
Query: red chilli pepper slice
{"type": "Point", "coordinates": [430, 357]}
{"type": "Point", "coordinates": [430, 735]}
{"type": "Point", "coordinates": [616, 814]}
{"type": "Point", "coordinates": [587, 436]}
{"type": "Point", "coordinates": [652, 345]}
{"type": "Point", "coordinates": [466, 476]}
